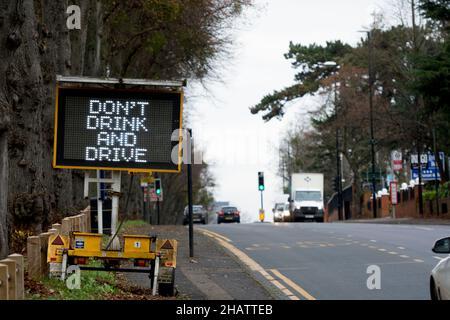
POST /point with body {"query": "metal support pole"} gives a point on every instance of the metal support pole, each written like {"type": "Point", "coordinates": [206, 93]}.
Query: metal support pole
{"type": "Point", "coordinates": [420, 179]}
{"type": "Point", "coordinates": [189, 176]}
{"type": "Point", "coordinates": [372, 138]}
{"type": "Point", "coordinates": [99, 203]}
{"type": "Point", "coordinates": [262, 201]}
{"type": "Point", "coordinates": [157, 211]}
{"type": "Point", "coordinates": [155, 278]}
{"type": "Point", "coordinates": [116, 175]}
{"type": "Point", "coordinates": [436, 182]}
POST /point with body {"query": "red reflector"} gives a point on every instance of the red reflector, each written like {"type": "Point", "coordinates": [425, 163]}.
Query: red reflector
{"type": "Point", "coordinates": [140, 263]}
{"type": "Point", "coordinates": [168, 264]}
{"type": "Point", "coordinates": [52, 259]}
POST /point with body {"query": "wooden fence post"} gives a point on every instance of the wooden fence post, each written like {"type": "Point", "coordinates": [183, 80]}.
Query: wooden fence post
{"type": "Point", "coordinates": [12, 273]}
{"type": "Point", "coordinates": [83, 222]}
{"type": "Point", "coordinates": [20, 286]}
{"type": "Point", "coordinates": [88, 219]}
{"type": "Point", "coordinates": [34, 257]}
{"type": "Point", "coordinates": [57, 226]}
{"type": "Point", "coordinates": [44, 249]}
{"type": "Point", "coordinates": [3, 282]}
{"type": "Point", "coordinates": [72, 224]}
{"type": "Point", "coordinates": [65, 227]}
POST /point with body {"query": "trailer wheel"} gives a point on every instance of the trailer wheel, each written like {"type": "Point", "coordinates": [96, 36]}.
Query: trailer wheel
{"type": "Point", "coordinates": [167, 289]}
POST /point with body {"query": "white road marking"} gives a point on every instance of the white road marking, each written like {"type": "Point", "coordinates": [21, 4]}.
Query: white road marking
{"type": "Point", "coordinates": [424, 228]}
{"type": "Point", "coordinates": [404, 256]}
{"type": "Point", "coordinates": [418, 260]}
{"type": "Point", "coordinates": [401, 248]}
{"type": "Point", "coordinates": [373, 240]}
{"type": "Point", "coordinates": [382, 250]}
{"type": "Point", "coordinates": [438, 258]}
{"type": "Point", "coordinates": [393, 253]}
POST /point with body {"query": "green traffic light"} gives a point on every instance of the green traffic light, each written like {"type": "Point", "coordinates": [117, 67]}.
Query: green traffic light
{"type": "Point", "coordinates": [158, 191]}
{"type": "Point", "coordinates": [261, 188]}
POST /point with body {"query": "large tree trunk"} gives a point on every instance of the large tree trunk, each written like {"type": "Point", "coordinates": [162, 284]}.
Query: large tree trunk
{"type": "Point", "coordinates": [3, 192]}
{"type": "Point", "coordinates": [37, 49]}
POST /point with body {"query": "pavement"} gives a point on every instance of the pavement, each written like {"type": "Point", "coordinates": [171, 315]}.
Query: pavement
{"type": "Point", "coordinates": [213, 274]}
{"type": "Point", "coordinates": [331, 261]}
{"type": "Point", "coordinates": [389, 220]}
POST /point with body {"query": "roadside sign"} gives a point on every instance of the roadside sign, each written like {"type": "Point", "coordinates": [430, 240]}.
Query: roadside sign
{"type": "Point", "coordinates": [168, 250]}
{"type": "Point", "coordinates": [430, 169]}
{"type": "Point", "coordinates": [415, 160]}
{"type": "Point", "coordinates": [397, 160]}
{"type": "Point", "coordinates": [153, 196]}
{"type": "Point", "coordinates": [117, 129]}
{"type": "Point", "coordinates": [394, 192]}
{"type": "Point", "coordinates": [56, 246]}
{"type": "Point", "coordinates": [146, 180]}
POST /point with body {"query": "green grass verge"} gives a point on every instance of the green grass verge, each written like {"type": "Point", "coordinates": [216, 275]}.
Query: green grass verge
{"type": "Point", "coordinates": [94, 286]}
{"type": "Point", "coordinates": [133, 223]}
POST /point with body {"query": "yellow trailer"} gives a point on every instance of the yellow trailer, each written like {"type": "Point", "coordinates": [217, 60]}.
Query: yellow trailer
{"type": "Point", "coordinates": [157, 257]}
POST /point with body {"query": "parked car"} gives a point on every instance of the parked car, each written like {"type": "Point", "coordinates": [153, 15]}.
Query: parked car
{"type": "Point", "coordinates": [278, 212]}
{"type": "Point", "coordinates": [228, 214]}
{"type": "Point", "coordinates": [440, 276]}
{"type": "Point", "coordinates": [281, 212]}
{"type": "Point", "coordinates": [199, 215]}
{"type": "Point", "coordinates": [287, 212]}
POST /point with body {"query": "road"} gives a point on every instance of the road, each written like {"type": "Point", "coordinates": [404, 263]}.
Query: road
{"type": "Point", "coordinates": [330, 261]}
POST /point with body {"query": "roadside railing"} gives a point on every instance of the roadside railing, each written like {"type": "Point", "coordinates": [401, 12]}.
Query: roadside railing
{"type": "Point", "coordinates": [11, 278]}
{"type": "Point", "coordinates": [37, 246]}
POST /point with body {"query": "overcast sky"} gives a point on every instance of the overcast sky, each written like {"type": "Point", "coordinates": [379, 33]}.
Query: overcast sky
{"type": "Point", "coordinates": [239, 144]}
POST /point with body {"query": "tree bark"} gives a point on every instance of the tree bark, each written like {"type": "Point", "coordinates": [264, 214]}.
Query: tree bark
{"type": "Point", "coordinates": [37, 49]}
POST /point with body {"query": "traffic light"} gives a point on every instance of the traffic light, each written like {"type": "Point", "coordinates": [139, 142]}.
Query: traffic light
{"type": "Point", "coordinates": [158, 189]}
{"type": "Point", "coordinates": [261, 181]}
{"type": "Point", "coordinates": [336, 184]}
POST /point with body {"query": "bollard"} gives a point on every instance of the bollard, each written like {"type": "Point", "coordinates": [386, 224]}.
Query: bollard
{"type": "Point", "coordinates": [12, 278]}
{"type": "Point", "coordinates": [44, 249]}
{"type": "Point", "coordinates": [65, 227]}
{"type": "Point", "coordinates": [57, 226]}
{"type": "Point", "coordinates": [34, 257]}
{"type": "Point", "coordinates": [3, 282]}
{"type": "Point", "coordinates": [20, 285]}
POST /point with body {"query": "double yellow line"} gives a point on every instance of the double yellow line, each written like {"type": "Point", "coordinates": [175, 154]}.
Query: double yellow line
{"type": "Point", "coordinates": [278, 279]}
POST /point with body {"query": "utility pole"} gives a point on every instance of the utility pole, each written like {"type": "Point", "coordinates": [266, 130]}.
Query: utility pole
{"type": "Point", "coordinates": [419, 155]}
{"type": "Point", "coordinates": [372, 138]}
{"type": "Point", "coordinates": [189, 176]}
{"type": "Point", "coordinates": [415, 48]}
{"type": "Point", "coordinates": [338, 160]}
{"type": "Point", "coordinates": [437, 166]}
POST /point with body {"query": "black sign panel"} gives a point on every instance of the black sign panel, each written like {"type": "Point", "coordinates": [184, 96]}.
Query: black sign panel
{"type": "Point", "coordinates": [113, 129]}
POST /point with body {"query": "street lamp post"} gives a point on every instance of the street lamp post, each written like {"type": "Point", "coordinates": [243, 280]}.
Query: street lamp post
{"type": "Point", "coordinates": [372, 138]}
{"type": "Point", "coordinates": [332, 64]}
{"type": "Point", "coordinates": [338, 158]}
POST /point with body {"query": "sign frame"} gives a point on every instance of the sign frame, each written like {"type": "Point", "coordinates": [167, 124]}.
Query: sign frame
{"type": "Point", "coordinates": [393, 190]}
{"type": "Point", "coordinates": [151, 168]}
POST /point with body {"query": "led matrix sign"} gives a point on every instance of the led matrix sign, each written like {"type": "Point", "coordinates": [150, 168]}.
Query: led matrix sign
{"type": "Point", "coordinates": [116, 129]}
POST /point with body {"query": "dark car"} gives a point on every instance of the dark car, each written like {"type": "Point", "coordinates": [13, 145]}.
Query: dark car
{"type": "Point", "coordinates": [199, 215]}
{"type": "Point", "coordinates": [228, 214]}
